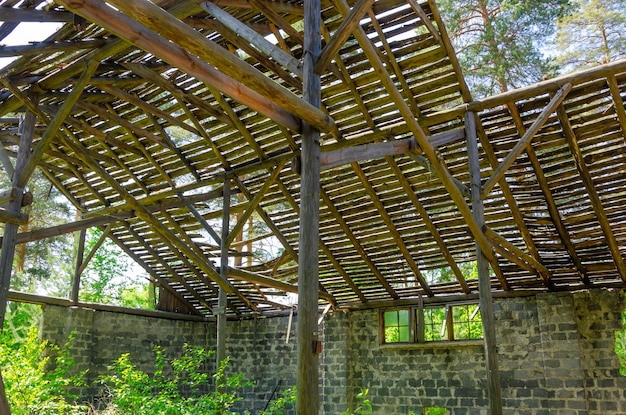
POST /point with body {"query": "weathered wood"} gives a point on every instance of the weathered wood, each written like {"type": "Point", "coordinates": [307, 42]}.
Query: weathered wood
{"type": "Point", "coordinates": [229, 66]}
{"type": "Point", "coordinates": [594, 198]}
{"type": "Point", "coordinates": [254, 203]}
{"type": "Point", "coordinates": [220, 312]}
{"type": "Point", "coordinates": [307, 395]}
{"type": "Point", "coordinates": [15, 218]}
{"type": "Point", "coordinates": [254, 38]}
{"type": "Point", "coordinates": [80, 252]}
{"type": "Point", "coordinates": [484, 279]}
{"type": "Point", "coordinates": [499, 240]}
{"type": "Point", "coordinates": [347, 155]}
{"type": "Point", "coordinates": [392, 229]}
{"type": "Point", "coordinates": [17, 15]}
{"type": "Point", "coordinates": [23, 297]}
{"type": "Point", "coordinates": [519, 147]}
{"type": "Point", "coordinates": [279, 6]}
{"type": "Point", "coordinates": [56, 122]}
{"type": "Point", "coordinates": [10, 229]}
{"type": "Point", "coordinates": [39, 48]}
{"type": "Point", "coordinates": [342, 33]}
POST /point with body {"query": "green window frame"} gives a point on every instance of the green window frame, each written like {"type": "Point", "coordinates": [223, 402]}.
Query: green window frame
{"type": "Point", "coordinates": [397, 326]}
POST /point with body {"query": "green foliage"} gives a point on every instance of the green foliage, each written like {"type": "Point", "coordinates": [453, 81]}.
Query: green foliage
{"type": "Point", "coordinates": [181, 392]}
{"type": "Point", "coordinates": [279, 406]}
{"type": "Point", "coordinates": [364, 406]}
{"type": "Point", "coordinates": [594, 34]}
{"type": "Point", "coordinates": [33, 388]}
{"type": "Point", "coordinates": [498, 40]}
{"type": "Point", "coordinates": [105, 279]}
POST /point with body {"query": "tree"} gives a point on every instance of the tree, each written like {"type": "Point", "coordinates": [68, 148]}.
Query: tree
{"type": "Point", "coordinates": [594, 34]}
{"type": "Point", "coordinates": [498, 41]}
{"type": "Point", "coordinates": [43, 265]}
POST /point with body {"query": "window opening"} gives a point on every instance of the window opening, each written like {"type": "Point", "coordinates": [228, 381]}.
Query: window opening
{"type": "Point", "coordinates": [620, 345]}
{"type": "Point", "coordinates": [397, 326]}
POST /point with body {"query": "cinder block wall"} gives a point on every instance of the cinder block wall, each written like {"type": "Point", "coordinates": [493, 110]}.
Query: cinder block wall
{"type": "Point", "coordinates": [555, 350]}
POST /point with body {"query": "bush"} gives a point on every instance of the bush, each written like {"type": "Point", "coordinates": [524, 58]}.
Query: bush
{"type": "Point", "coordinates": [30, 388]}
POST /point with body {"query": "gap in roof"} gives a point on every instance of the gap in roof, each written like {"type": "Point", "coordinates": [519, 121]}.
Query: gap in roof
{"type": "Point", "coordinates": [26, 33]}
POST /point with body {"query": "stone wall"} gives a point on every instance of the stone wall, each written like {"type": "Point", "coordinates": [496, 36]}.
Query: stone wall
{"type": "Point", "coordinates": [555, 352]}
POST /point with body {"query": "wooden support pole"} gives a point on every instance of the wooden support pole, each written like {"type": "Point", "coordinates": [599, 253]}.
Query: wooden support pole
{"type": "Point", "coordinates": [526, 139]}
{"type": "Point", "coordinates": [10, 234]}
{"type": "Point", "coordinates": [307, 395]}
{"type": "Point", "coordinates": [222, 298]}
{"type": "Point", "coordinates": [10, 230]}
{"type": "Point", "coordinates": [484, 283]}
{"type": "Point", "coordinates": [80, 252]}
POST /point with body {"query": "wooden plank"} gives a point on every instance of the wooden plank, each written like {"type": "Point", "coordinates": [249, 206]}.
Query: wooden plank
{"type": "Point", "coordinates": [535, 265]}
{"type": "Point", "coordinates": [594, 198]}
{"type": "Point", "coordinates": [519, 147]}
{"type": "Point", "coordinates": [19, 15]}
{"type": "Point", "coordinates": [64, 302]}
{"type": "Point", "coordinates": [347, 155]}
{"type": "Point", "coordinates": [56, 122]}
{"type": "Point", "coordinates": [252, 87]}
{"type": "Point", "coordinates": [392, 229]}
{"type": "Point", "coordinates": [279, 6]}
{"type": "Point", "coordinates": [15, 218]}
{"type": "Point", "coordinates": [484, 280]}
{"type": "Point", "coordinates": [350, 22]}
{"type": "Point", "coordinates": [254, 38]}
{"type": "Point", "coordinates": [307, 389]}
{"type": "Point", "coordinates": [38, 48]}
{"type": "Point", "coordinates": [254, 203]}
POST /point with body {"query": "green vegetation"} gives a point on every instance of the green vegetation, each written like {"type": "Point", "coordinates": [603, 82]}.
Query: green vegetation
{"type": "Point", "coordinates": [620, 345]}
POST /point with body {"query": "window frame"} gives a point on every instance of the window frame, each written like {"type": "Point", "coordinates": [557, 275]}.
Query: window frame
{"type": "Point", "coordinates": [417, 326]}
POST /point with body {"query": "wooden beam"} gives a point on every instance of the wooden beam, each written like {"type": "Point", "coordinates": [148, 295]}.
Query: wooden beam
{"type": "Point", "coordinates": [220, 312]}
{"type": "Point", "coordinates": [38, 48]}
{"type": "Point", "coordinates": [508, 161]}
{"type": "Point", "coordinates": [95, 248]}
{"type": "Point", "coordinates": [530, 92]}
{"type": "Point", "coordinates": [392, 229]}
{"type": "Point", "coordinates": [17, 15]}
{"type": "Point", "coordinates": [307, 395]}
{"type": "Point", "coordinates": [15, 218]}
{"type": "Point", "coordinates": [254, 203]}
{"type": "Point", "coordinates": [347, 155]}
{"type": "Point", "coordinates": [594, 198]}
{"type": "Point", "coordinates": [484, 280]}
{"type": "Point", "coordinates": [56, 122]}
{"type": "Point", "coordinates": [279, 6]}
{"type": "Point", "coordinates": [64, 302]}
{"type": "Point", "coordinates": [535, 266]}
{"type": "Point", "coordinates": [350, 22]}
{"type": "Point", "coordinates": [80, 253]}
{"type": "Point", "coordinates": [252, 87]}
{"type": "Point", "coordinates": [254, 38]}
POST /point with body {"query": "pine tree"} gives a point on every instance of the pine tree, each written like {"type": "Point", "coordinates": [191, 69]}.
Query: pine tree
{"type": "Point", "coordinates": [593, 35]}
{"type": "Point", "coordinates": [499, 41]}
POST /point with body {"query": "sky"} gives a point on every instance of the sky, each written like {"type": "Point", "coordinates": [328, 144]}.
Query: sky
{"type": "Point", "coordinates": [26, 33]}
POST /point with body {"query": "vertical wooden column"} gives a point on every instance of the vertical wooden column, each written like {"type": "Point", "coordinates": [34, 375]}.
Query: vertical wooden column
{"type": "Point", "coordinates": [222, 298]}
{"type": "Point", "coordinates": [10, 233]}
{"type": "Point", "coordinates": [307, 397]}
{"type": "Point", "coordinates": [80, 252]}
{"type": "Point", "coordinates": [10, 229]}
{"type": "Point", "coordinates": [484, 283]}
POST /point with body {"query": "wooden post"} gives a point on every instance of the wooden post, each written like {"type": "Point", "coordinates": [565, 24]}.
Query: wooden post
{"type": "Point", "coordinates": [10, 229]}
{"type": "Point", "coordinates": [80, 252]}
{"type": "Point", "coordinates": [222, 298]}
{"type": "Point", "coordinates": [10, 234]}
{"type": "Point", "coordinates": [484, 284]}
{"type": "Point", "coordinates": [307, 397]}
